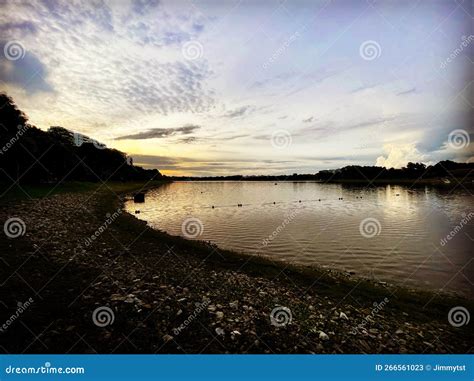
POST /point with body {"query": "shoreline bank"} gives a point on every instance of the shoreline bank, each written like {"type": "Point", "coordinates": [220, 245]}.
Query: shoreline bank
{"type": "Point", "coordinates": [154, 283]}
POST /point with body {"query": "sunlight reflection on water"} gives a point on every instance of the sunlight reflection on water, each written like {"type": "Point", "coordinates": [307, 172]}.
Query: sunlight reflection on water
{"type": "Point", "coordinates": [323, 224]}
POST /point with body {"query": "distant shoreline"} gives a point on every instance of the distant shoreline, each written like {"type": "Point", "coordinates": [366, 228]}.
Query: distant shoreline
{"type": "Point", "coordinates": [407, 182]}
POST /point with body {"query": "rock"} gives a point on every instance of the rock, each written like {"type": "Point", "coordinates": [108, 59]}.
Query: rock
{"type": "Point", "coordinates": [220, 331]}
{"type": "Point", "coordinates": [167, 338]}
{"type": "Point", "coordinates": [323, 336]}
{"type": "Point", "coordinates": [220, 315]}
{"type": "Point", "coordinates": [342, 315]}
{"type": "Point", "coordinates": [398, 332]}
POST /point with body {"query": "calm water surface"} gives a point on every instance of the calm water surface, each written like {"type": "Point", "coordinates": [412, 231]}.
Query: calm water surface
{"type": "Point", "coordinates": [389, 233]}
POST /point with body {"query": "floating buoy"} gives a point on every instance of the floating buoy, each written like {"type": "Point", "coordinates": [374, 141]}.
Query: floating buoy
{"type": "Point", "coordinates": [319, 199]}
{"type": "Point", "coordinates": [137, 212]}
{"type": "Point", "coordinates": [299, 201]}
{"type": "Point", "coordinates": [212, 206]}
{"type": "Point", "coordinates": [239, 205]}
{"type": "Point", "coordinates": [276, 184]}
{"type": "Point", "coordinates": [398, 194]}
{"type": "Point", "coordinates": [274, 202]}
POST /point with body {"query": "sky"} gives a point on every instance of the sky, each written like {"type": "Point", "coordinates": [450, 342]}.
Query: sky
{"type": "Point", "coordinates": [248, 87]}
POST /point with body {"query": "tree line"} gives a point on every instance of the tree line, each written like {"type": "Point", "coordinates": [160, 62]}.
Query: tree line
{"type": "Point", "coordinates": [31, 155]}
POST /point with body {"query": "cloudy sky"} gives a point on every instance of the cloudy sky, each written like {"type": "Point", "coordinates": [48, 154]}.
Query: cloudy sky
{"type": "Point", "coordinates": [249, 87]}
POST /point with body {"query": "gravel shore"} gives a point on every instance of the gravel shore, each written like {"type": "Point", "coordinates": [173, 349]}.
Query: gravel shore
{"type": "Point", "coordinates": [87, 277]}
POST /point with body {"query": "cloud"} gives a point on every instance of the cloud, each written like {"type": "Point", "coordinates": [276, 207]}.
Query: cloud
{"type": "Point", "coordinates": [143, 6]}
{"type": "Point", "coordinates": [159, 133]}
{"type": "Point", "coordinates": [409, 91]}
{"type": "Point", "coordinates": [362, 88]}
{"type": "Point", "coordinates": [398, 155]}
{"type": "Point", "coordinates": [191, 139]}
{"type": "Point", "coordinates": [27, 72]}
{"type": "Point", "coordinates": [22, 26]}
{"type": "Point", "coordinates": [238, 112]}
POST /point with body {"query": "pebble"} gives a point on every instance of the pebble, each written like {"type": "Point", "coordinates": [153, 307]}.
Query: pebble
{"type": "Point", "coordinates": [323, 336]}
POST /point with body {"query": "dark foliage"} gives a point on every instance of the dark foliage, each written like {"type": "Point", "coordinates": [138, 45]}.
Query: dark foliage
{"type": "Point", "coordinates": [30, 155]}
{"type": "Point", "coordinates": [413, 171]}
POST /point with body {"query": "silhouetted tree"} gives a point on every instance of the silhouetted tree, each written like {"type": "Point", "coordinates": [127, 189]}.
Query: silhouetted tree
{"type": "Point", "coordinates": [30, 155]}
